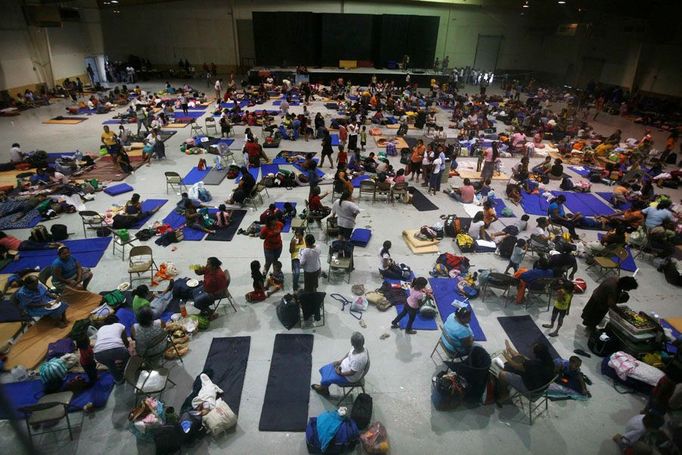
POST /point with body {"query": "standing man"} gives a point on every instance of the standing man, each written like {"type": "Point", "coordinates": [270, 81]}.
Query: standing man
{"type": "Point", "coordinates": [310, 263]}
{"type": "Point", "coordinates": [91, 74]}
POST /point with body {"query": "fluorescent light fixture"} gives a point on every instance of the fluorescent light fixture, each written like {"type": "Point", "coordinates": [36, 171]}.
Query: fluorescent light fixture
{"type": "Point", "coordinates": [560, 2]}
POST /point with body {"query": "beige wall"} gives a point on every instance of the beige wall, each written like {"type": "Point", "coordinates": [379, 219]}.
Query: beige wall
{"type": "Point", "coordinates": [25, 53]}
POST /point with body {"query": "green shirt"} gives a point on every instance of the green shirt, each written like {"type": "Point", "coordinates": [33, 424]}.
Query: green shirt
{"type": "Point", "coordinates": [138, 303]}
{"type": "Point", "coordinates": [562, 302]}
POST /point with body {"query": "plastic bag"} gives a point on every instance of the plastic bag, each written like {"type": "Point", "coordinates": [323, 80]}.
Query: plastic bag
{"type": "Point", "coordinates": [375, 439]}
{"type": "Point", "coordinates": [360, 303]}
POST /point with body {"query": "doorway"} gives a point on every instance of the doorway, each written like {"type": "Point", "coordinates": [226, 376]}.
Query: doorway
{"type": "Point", "coordinates": [487, 51]}
{"type": "Point", "coordinates": [97, 63]}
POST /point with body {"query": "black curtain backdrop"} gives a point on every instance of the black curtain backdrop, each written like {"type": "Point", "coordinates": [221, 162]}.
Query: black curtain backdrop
{"type": "Point", "coordinates": [300, 38]}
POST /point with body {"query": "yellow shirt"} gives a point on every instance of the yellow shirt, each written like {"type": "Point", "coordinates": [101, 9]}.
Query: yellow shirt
{"type": "Point", "coordinates": [297, 248]}
{"type": "Point", "coordinates": [108, 138]}
{"type": "Point", "coordinates": [563, 301]}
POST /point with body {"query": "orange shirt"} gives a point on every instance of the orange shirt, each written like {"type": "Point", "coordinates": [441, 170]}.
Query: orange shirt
{"type": "Point", "coordinates": [418, 153]}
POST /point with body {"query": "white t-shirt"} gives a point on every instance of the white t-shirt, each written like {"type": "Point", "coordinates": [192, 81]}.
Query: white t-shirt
{"type": "Point", "coordinates": [475, 229]}
{"type": "Point", "coordinates": [437, 163]}
{"type": "Point", "coordinates": [381, 259]}
{"type": "Point", "coordinates": [540, 231]}
{"type": "Point", "coordinates": [217, 85]}
{"type": "Point", "coordinates": [310, 259]}
{"type": "Point", "coordinates": [355, 362]}
{"type": "Point", "coordinates": [109, 337]}
{"type": "Point", "coordinates": [15, 155]}
{"type": "Point", "coordinates": [345, 213]}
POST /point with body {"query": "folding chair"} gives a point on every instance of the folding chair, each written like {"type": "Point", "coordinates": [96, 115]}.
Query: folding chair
{"type": "Point", "coordinates": [256, 196]}
{"type": "Point", "coordinates": [174, 181]}
{"type": "Point", "coordinates": [607, 264]}
{"type": "Point", "coordinates": [344, 264]}
{"type": "Point", "coordinates": [121, 242]}
{"type": "Point", "coordinates": [91, 220]}
{"type": "Point", "coordinates": [535, 399]}
{"type": "Point", "coordinates": [210, 124]}
{"type": "Point", "coordinates": [500, 281]}
{"type": "Point", "coordinates": [195, 129]}
{"type": "Point", "coordinates": [49, 409]}
{"type": "Point", "coordinates": [359, 384]}
{"type": "Point", "coordinates": [399, 191]}
{"type": "Point", "coordinates": [141, 260]}
{"type": "Point", "coordinates": [145, 381]}
{"type": "Point", "coordinates": [539, 288]}
{"type": "Point", "coordinates": [226, 296]}
{"type": "Point", "coordinates": [367, 187]}
{"type": "Point", "coordinates": [313, 303]}
{"type": "Point", "coordinates": [386, 192]}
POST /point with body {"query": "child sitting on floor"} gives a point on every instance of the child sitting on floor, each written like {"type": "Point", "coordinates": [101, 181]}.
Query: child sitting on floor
{"type": "Point", "coordinates": [258, 293]}
{"type": "Point", "coordinates": [275, 280]}
{"type": "Point", "coordinates": [570, 375]}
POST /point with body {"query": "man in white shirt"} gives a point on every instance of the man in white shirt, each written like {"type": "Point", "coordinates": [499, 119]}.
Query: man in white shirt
{"type": "Point", "coordinates": [348, 370]}
{"type": "Point", "coordinates": [217, 87]}
{"type": "Point", "coordinates": [434, 178]}
{"type": "Point", "coordinates": [15, 155]}
{"type": "Point", "coordinates": [309, 258]}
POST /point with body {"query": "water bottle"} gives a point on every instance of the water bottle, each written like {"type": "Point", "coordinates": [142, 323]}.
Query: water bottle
{"type": "Point", "coordinates": [183, 309]}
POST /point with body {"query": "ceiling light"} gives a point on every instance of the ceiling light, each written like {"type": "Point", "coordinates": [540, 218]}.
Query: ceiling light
{"type": "Point", "coordinates": [525, 5]}
{"type": "Point", "coordinates": [560, 2]}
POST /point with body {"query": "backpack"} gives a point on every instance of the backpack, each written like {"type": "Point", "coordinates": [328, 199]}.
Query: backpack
{"type": "Point", "coordinates": [451, 261]}
{"type": "Point", "coordinates": [465, 242]}
{"type": "Point", "coordinates": [601, 348]}
{"type": "Point", "coordinates": [447, 390]}
{"type": "Point", "coordinates": [59, 232]}
{"type": "Point", "coordinates": [39, 234]}
{"type": "Point", "coordinates": [506, 246]}
{"type": "Point", "coordinates": [361, 413]}
{"type": "Point", "coordinates": [426, 233]}
{"type": "Point", "coordinates": [451, 226]}
{"type": "Point", "coordinates": [567, 184]}
{"type": "Point", "coordinates": [344, 441]}
{"type": "Point", "coordinates": [103, 232]}
{"type": "Point", "coordinates": [288, 311]}
{"type": "Point", "coordinates": [405, 155]}
{"type": "Point", "coordinates": [428, 308]}
{"type": "Point", "coordinates": [115, 298]}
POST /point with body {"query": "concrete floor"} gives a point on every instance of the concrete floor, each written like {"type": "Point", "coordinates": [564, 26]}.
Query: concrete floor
{"type": "Point", "coordinates": [400, 378]}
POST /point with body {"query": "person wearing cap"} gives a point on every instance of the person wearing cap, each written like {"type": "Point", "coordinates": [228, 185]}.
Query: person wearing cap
{"type": "Point", "coordinates": [216, 281]}
{"type": "Point", "coordinates": [457, 337]}
{"type": "Point", "coordinates": [346, 371]}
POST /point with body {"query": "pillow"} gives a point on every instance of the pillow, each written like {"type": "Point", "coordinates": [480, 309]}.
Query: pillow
{"type": "Point", "coordinates": [220, 419]}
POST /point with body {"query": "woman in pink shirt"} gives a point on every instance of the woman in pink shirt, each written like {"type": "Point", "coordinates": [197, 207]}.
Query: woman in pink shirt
{"type": "Point", "coordinates": [417, 293]}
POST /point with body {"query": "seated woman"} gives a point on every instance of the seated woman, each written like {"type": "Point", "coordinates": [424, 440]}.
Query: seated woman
{"type": "Point", "coordinates": [37, 301]}
{"type": "Point", "coordinates": [477, 228]}
{"type": "Point", "coordinates": [244, 189]}
{"type": "Point", "coordinates": [369, 163]}
{"type": "Point", "coordinates": [194, 219]}
{"type": "Point", "coordinates": [315, 207]}
{"type": "Point", "coordinates": [223, 217]}
{"type": "Point", "coordinates": [457, 337]}
{"type": "Point", "coordinates": [615, 238]}
{"type": "Point", "coordinates": [157, 302]}
{"type": "Point", "coordinates": [346, 371]}
{"type": "Point", "coordinates": [341, 181]}
{"type": "Point", "coordinates": [556, 172]}
{"type": "Point", "coordinates": [524, 374]}
{"type": "Point", "coordinates": [662, 239]}
{"type": "Point", "coordinates": [557, 215]}
{"type": "Point", "coordinates": [541, 269]}
{"type": "Point", "coordinates": [111, 347]}
{"type": "Point", "coordinates": [12, 243]}
{"type": "Point", "coordinates": [216, 281]}
{"type": "Point", "coordinates": [543, 168]}
{"type": "Point", "coordinates": [514, 193]}
{"type": "Point", "coordinates": [68, 272]}
{"type": "Point", "coordinates": [149, 335]}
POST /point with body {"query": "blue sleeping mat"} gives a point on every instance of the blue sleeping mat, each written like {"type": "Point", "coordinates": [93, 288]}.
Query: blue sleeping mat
{"type": "Point", "coordinates": [360, 237]}
{"type": "Point", "coordinates": [357, 179]}
{"type": "Point", "coordinates": [534, 204]}
{"type": "Point", "coordinates": [420, 322]}
{"type": "Point", "coordinates": [195, 175]}
{"type": "Point", "coordinates": [118, 189]}
{"type": "Point", "coordinates": [26, 393]}
{"type": "Point", "coordinates": [87, 251]}
{"type": "Point", "coordinates": [585, 203]}
{"type": "Point", "coordinates": [148, 206]}
{"type": "Point", "coordinates": [445, 292]}
{"type": "Point", "coordinates": [254, 171]}
{"type": "Point", "coordinates": [269, 169]}
{"type": "Point", "coordinates": [608, 197]}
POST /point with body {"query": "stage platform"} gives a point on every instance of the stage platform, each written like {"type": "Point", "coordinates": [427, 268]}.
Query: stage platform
{"type": "Point", "coordinates": [357, 76]}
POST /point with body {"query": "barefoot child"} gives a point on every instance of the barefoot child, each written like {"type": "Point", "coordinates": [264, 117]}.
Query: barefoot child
{"type": "Point", "coordinates": [275, 280]}
{"type": "Point", "coordinates": [562, 304]}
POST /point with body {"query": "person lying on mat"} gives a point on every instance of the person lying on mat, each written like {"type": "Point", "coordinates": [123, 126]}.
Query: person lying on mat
{"type": "Point", "coordinates": [67, 271]}
{"type": "Point", "coordinates": [180, 206]}
{"type": "Point", "coordinates": [348, 370]}
{"type": "Point", "coordinates": [524, 374]}
{"type": "Point", "coordinates": [457, 337]}
{"type": "Point", "coordinates": [12, 243]}
{"type": "Point", "coordinates": [38, 301]}
{"type": "Point", "coordinates": [158, 302]}
{"type": "Point", "coordinates": [215, 284]}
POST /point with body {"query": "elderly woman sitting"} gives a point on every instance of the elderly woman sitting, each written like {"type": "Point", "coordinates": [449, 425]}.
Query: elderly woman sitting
{"type": "Point", "coordinates": [149, 335]}
{"type": "Point", "coordinates": [346, 371]}
{"type": "Point", "coordinates": [37, 300]}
